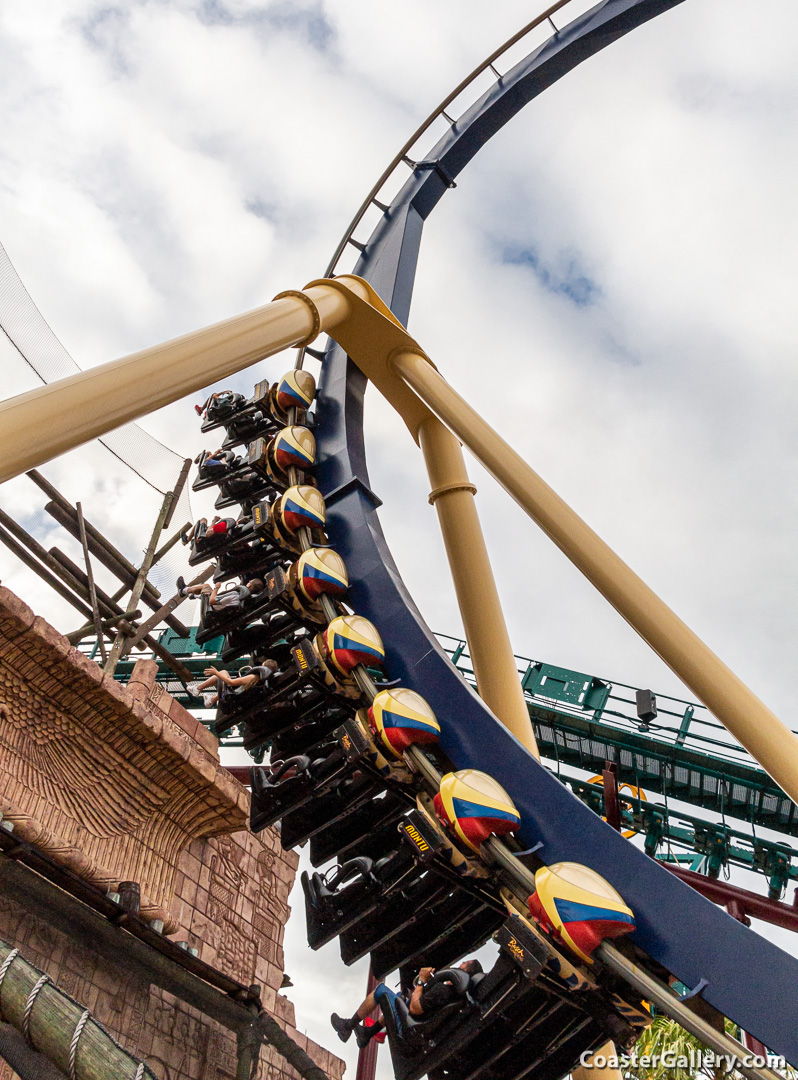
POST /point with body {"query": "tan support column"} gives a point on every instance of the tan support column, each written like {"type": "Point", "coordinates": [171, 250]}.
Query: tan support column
{"type": "Point", "coordinates": [596, 1072]}
{"type": "Point", "coordinates": [452, 496]}
{"type": "Point", "coordinates": [48, 421]}
{"type": "Point", "coordinates": [746, 717]}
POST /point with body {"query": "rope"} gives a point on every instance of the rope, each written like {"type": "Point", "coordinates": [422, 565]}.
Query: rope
{"type": "Point", "coordinates": [73, 1046]}
{"type": "Point", "coordinates": [29, 1007]}
{"type": "Point", "coordinates": [142, 1071]}
{"type": "Point", "coordinates": [9, 960]}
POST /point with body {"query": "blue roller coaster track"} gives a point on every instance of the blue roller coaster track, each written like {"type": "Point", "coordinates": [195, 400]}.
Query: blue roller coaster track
{"type": "Point", "coordinates": [744, 976]}
{"type": "Point", "coordinates": [747, 978]}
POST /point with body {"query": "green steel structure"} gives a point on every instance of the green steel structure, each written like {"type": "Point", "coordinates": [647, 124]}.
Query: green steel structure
{"type": "Point", "coordinates": [582, 723]}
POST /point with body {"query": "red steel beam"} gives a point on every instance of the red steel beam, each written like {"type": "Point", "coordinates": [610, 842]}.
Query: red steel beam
{"type": "Point", "coordinates": [739, 902]}
{"type": "Point", "coordinates": [239, 773]}
{"type": "Point", "coordinates": [612, 807]}
{"type": "Point", "coordinates": [367, 1057]}
{"type": "Point", "coordinates": [745, 902]}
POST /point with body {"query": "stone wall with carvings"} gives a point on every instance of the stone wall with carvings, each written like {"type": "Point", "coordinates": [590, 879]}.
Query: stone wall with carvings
{"type": "Point", "coordinates": [230, 904]}
{"type": "Point", "coordinates": [119, 784]}
{"type": "Point", "coordinates": [123, 784]}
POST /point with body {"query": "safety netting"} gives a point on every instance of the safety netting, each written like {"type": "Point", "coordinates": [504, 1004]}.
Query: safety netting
{"type": "Point", "coordinates": [143, 458]}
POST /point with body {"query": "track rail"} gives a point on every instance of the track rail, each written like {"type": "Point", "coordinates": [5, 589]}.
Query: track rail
{"type": "Point", "coordinates": [749, 979]}
{"type": "Point", "coordinates": [440, 111]}
{"type": "Point", "coordinates": [403, 156]}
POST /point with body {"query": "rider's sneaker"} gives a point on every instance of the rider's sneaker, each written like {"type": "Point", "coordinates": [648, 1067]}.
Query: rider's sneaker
{"type": "Point", "coordinates": [342, 1026]}
{"type": "Point", "coordinates": [362, 1036]}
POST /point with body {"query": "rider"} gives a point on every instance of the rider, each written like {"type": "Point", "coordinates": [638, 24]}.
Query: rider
{"type": "Point", "coordinates": [201, 528]}
{"type": "Point", "coordinates": [257, 676]}
{"type": "Point", "coordinates": [220, 526]}
{"type": "Point", "coordinates": [228, 598]}
{"type": "Point", "coordinates": [216, 457]}
{"type": "Point", "coordinates": [424, 1001]}
{"type": "Point", "coordinates": [222, 399]}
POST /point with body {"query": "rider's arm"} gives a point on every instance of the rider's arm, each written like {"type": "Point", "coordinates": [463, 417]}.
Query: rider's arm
{"type": "Point", "coordinates": [423, 977]}
{"type": "Point", "coordinates": [241, 680]}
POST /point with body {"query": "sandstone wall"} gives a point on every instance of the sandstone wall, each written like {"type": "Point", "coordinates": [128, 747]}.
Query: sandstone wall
{"type": "Point", "coordinates": [121, 783]}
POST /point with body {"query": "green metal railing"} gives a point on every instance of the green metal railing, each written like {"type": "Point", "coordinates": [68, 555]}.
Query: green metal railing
{"type": "Point", "coordinates": [713, 846]}
{"type": "Point", "coordinates": [581, 722]}
{"type": "Point", "coordinates": [610, 701]}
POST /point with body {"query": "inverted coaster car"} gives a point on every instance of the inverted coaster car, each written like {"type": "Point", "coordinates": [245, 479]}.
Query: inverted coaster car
{"type": "Point", "coordinates": [221, 407]}
{"type": "Point", "coordinates": [215, 467]}
{"type": "Point", "coordinates": [227, 534]}
{"type": "Point", "coordinates": [244, 486]}
{"type": "Point", "coordinates": [251, 422]}
{"type": "Point", "coordinates": [286, 785]}
{"type": "Point", "coordinates": [302, 691]}
{"type": "Point", "coordinates": [284, 613]}
{"type": "Point", "coordinates": [336, 900]}
{"type": "Point", "coordinates": [242, 607]}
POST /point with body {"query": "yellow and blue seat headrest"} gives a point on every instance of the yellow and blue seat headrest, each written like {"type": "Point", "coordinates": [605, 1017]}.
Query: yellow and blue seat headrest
{"type": "Point", "coordinates": [474, 806]}
{"type": "Point", "coordinates": [402, 718]}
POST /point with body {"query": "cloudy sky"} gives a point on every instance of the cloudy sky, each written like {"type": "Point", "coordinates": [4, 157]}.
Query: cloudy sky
{"type": "Point", "coordinates": [612, 282]}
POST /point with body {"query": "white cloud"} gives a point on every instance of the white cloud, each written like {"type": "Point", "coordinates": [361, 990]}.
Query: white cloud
{"type": "Point", "coordinates": [165, 165]}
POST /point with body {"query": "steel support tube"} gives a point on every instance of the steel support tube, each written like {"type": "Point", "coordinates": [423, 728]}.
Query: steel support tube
{"type": "Point", "coordinates": [650, 988]}
{"type": "Point", "coordinates": [759, 730]}
{"type": "Point", "coordinates": [477, 596]}
{"type": "Point", "coordinates": [672, 1006]}
{"type": "Point", "coordinates": [48, 421]}
{"type": "Point", "coordinates": [747, 902]}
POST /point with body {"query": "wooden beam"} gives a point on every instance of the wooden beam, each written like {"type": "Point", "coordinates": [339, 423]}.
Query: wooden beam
{"type": "Point", "coordinates": [177, 491]}
{"type": "Point", "coordinates": [86, 926]}
{"type": "Point", "coordinates": [150, 596]}
{"type": "Point", "coordinates": [159, 615]}
{"type": "Point", "coordinates": [66, 515]}
{"type": "Point", "coordinates": [68, 569]}
{"type": "Point", "coordinates": [90, 577]}
{"type": "Point", "coordinates": [48, 1019]}
{"type": "Point", "coordinates": [141, 580]}
{"type": "Point", "coordinates": [60, 565]}
{"type": "Point", "coordinates": [83, 631]}
{"type": "Point", "coordinates": [63, 511]}
{"type": "Point", "coordinates": [159, 554]}
{"type": "Point", "coordinates": [44, 574]}
{"type": "Point", "coordinates": [183, 673]}
{"type": "Point", "coordinates": [108, 608]}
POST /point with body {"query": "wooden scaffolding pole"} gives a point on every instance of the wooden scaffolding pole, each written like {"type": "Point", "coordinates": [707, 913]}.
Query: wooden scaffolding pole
{"type": "Point", "coordinates": [119, 644]}
{"type": "Point", "coordinates": [102, 549]}
{"type": "Point", "coordinates": [84, 631]}
{"type": "Point", "coordinates": [95, 608]}
{"type": "Point", "coordinates": [57, 1027]}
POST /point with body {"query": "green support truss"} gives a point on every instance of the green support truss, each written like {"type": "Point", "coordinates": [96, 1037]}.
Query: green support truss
{"type": "Point", "coordinates": [582, 722]}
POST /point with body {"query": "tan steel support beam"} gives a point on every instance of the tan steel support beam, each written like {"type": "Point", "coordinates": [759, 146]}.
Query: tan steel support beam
{"type": "Point", "coordinates": [738, 708]}
{"type": "Point", "coordinates": [595, 1072]}
{"type": "Point", "coordinates": [483, 619]}
{"type": "Point", "coordinates": [38, 426]}
{"type": "Point", "coordinates": [44, 423]}
{"type": "Point", "coordinates": [371, 335]}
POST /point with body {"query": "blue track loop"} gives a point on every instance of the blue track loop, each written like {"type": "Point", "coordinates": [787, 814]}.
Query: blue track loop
{"type": "Point", "coordinates": [749, 979]}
